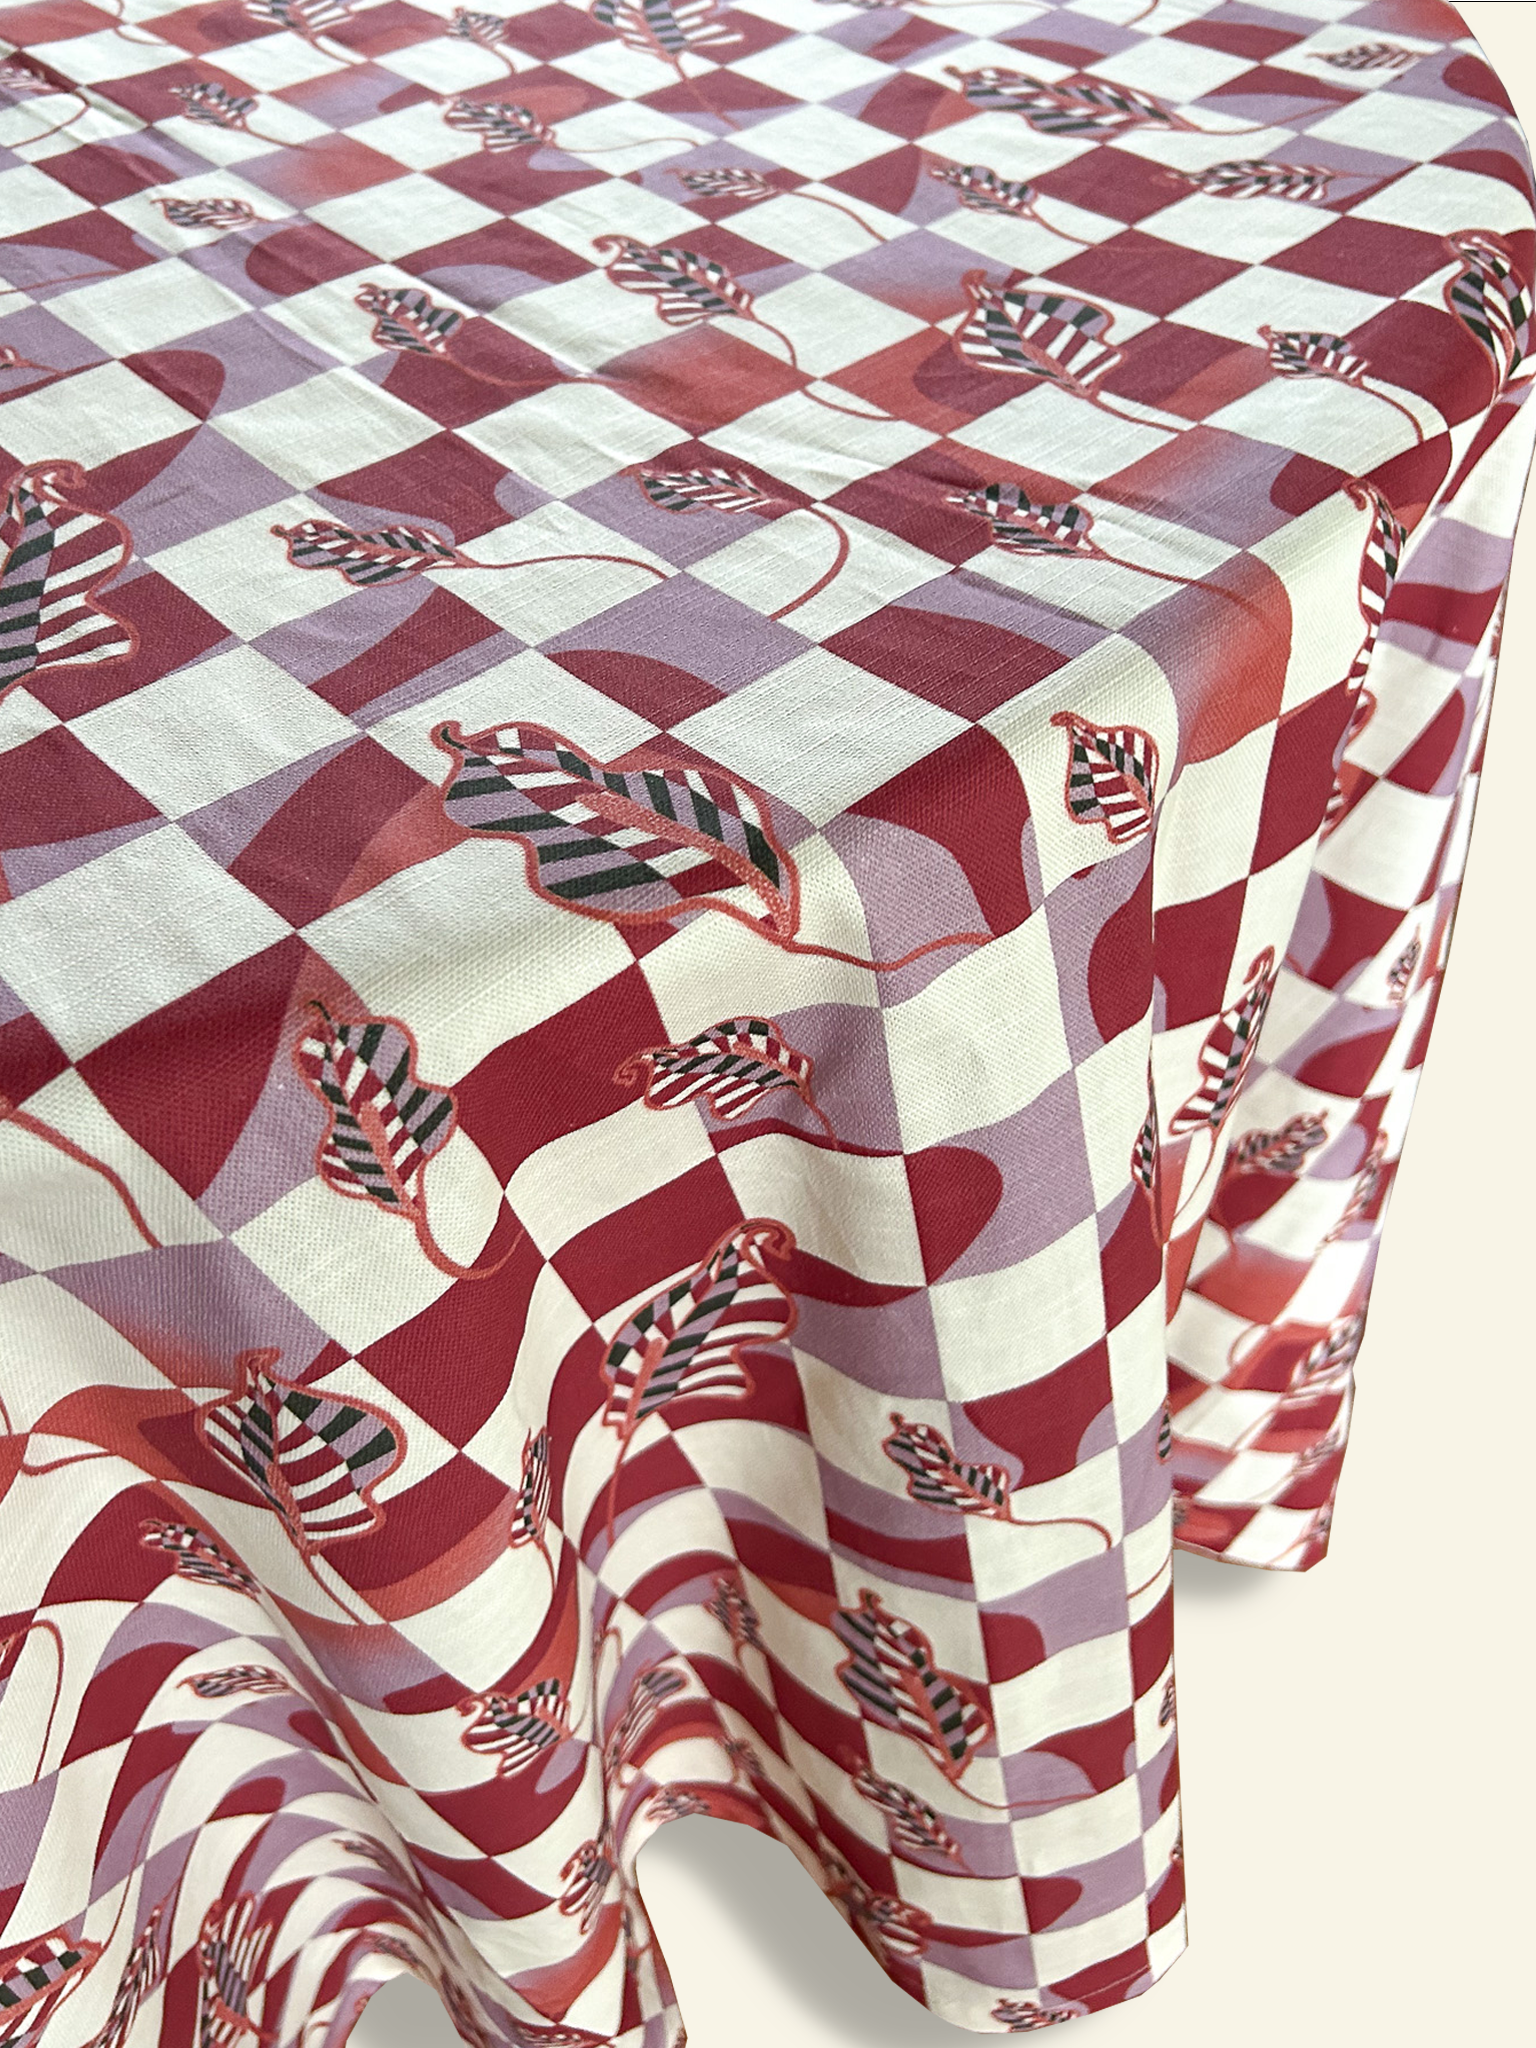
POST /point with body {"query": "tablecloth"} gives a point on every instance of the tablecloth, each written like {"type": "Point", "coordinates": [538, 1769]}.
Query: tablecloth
{"type": "Point", "coordinates": [736, 751]}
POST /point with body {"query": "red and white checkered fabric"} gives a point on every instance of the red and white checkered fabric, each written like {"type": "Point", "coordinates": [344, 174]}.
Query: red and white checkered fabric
{"type": "Point", "coordinates": [735, 749]}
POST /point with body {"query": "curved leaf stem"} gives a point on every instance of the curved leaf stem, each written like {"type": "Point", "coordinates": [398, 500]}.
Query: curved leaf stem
{"type": "Point", "coordinates": [1061, 1522]}
{"type": "Point", "coordinates": [535, 561]}
{"type": "Point", "coordinates": [820, 199]}
{"type": "Point", "coordinates": [1040, 221]}
{"type": "Point", "coordinates": [439, 1258]}
{"type": "Point", "coordinates": [695, 91]}
{"type": "Point", "coordinates": [821, 582]}
{"type": "Point", "coordinates": [35, 1127]}
{"type": "Point", "coordinates": [329, 1591]}
{"type": "Point", "coordinates": [43, 1625]}
{"type": "Point", "coordinates": [1397, 406]}
{"type": "Point", "coordinates": [58, 126]}
{"type": "Point", "coordinates": [884, 966]}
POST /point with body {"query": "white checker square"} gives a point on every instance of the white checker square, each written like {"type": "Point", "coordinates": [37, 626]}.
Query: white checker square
{"type": "Point", "coordinates": [1019, 243]}
{"type": "Point", "coordinates": [448, 65]}
{"type": "Point", "coordinates": [819, 732]}
{"type": "Point", "coordinates": [1008, 145]}
{"type": "Point", "coordinates": [854, 1212]}
{"type": "Point", "coordinates": [270, 64]}
{"type": "Point", "coordinates": [1062, 1951]}
{"type": "Point", "coordinates": [119, 937]}
{"type": "Point", "coordinates": [577, 1180]}
{"type": "Point", "coordinates": [952, 1070]}
{"type": "Point", "coordinates": [97, 416]}
{"type": "Point", "coordinates": [814, 450]}
{"type": "Point", "coordinates": [1314, 57]}
{"type": "Point", "coordinates": [1210, 820]}
{"type": "Point", "coordinates": [829, 324]}
{"type": "Point", "coordinates": [417, 136]}
{"type": "Point", "coordinates": [576, 219]}
{"type": "Point", "coordinates": [86, 60]}
{"type": "Point", "coordinates": [29, 198]}
{"type": "Point", "coordinates": [630, 134]}
{"type": "Point", "coordinates": [1173, 72]}
{"type": "Point", "coordinates": [1439, 199]}
{"type": "Point", "coordinates": [570, 436]}
{"type": "Point", "coordinates": [1063, 436]}
{"type": "Point", "coordinates": [1242, 230]}
{"type": "Point", "coordinates": [1318, 416]}
{"type": "Point", "coordinates": [1395, 125]}
{"type": "Point", "coordinates": [414, 212]}
{"type": "Point", "coordinates": [240, 572]}
{"type": "Point", "coordinates": [810, 68]}
{"type": "Point", "coordinates": [145, 308]}
{"type": "Point", "coordinates": [1002, 1330]}
{"type": "Point", "coordinates": [586, 321]}
{"type": "Point", "coordinates": [776, 561]}
{"type": "Point", "coordinates": [464, 948]}
{"type": "Point", "coordinates": [1241, 305]}
{"type": "Point", "coordinates": [560, 568]}
{"type": "Point", "coordinates": [205, 730]}
{"type": "Point", "coordinates": [1386, 845]}
{"type": "Point", "coordinates": [820, 142]}
{"type": "Point", "coordinates": [324, 427]}
{"type": "Point", "coordinates": [811, 226]}
{"type": "Point", "coordinates": [625, 74]}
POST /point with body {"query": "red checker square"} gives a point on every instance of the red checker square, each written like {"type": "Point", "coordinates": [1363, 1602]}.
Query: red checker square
{"type": "Point", "coordinates": [184, 1081]}
{"type": "Point", "coordinates": [308, 852]}
{"type": "Point", "coordinates": [1113, 182]}
{"type": "Point", "coordinates": [1300, 776]}
{"type": "Point", "coordinates": [965, 665]}
{"type": "Point", "coordinates": [441, 626]}
{"type": "Point", "coordinates": [753, 32]}
{"type": "Point", "coordinates": [440, 388]}
{"type": "Point", "coordinates": [46, 23]}
{"type": "Point", "coordinates": [1374, 255]}
{"type": "Point", "coordinates": [631, 1252]}
{"type": "Point", "coordinates": [375, 31]}
{"type": "Point", "coordinates": [29, 1058]}
{"type": "Point", "coordinates": [1416, 346]}
{"type": "Point", "coordinates": [100, 238]}
{"type": "Point", "coordinates": [717, 243]}
{"type": "Point", "coordinates": [909, 105]}
{"type": "Point", "coordinates": [719, 93]}
{"type": "Point", "coordinates": [424, 1525]}
{"type": "Point", "coordinates": [550, 32]}
{"type": "Point", "coordinates": [1267, 81]}
{"type": "Point", "coordinates": [54, 788]}
{"type": "Point", "coordinates": [506, 180]}
{"type": "Point", "coordinates": [703, 376]}
{"type": "Point", "coordinates": [297, 258]}
{"type": "Point", "coordinates": [1043, 1423]}
{"type": "Point", "coordinates": [501, 244]}
{"type": "Point", "coordinates": [1193, 949]}
{"type": "Point", "coordinates": [172, 631]}
{"type": "Point", "coordinates": [148, 94]}
{"type": "Point", "coordinates": [911, 499]}
{"type": "Point", "coordinates": [1139, 270]}
{"type": "Point", "coordinates": [327, 167]}
{"type": "Point", "coordinates": [197, 29]}
{"type": "Point", "coordinates": [924, 379]}
{"type": "Point", "coordinates": [443, 479]}
{"type": "Point", "coordinates": [890, 181]}
{"type": "Point", "coordinates": [103, 172]}
{"type": "Point", "coordinates": [655, 689]}
{"type": "Point", "coordinates": [1187, 371]}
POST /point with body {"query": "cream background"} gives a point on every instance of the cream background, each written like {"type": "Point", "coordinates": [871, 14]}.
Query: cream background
{"type": "Point", "coordinates": [1359, 1797]}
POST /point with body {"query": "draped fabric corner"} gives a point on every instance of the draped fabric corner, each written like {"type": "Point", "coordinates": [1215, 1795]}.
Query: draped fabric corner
{"type": "Point", "coordinates": [735, 749]}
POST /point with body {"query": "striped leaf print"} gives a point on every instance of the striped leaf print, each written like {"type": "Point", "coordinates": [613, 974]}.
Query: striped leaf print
{"type": "Point", "coordinates": [669, 28]}
{"type": "Point", "coordinates": [383, 1123]}
{"type": "Point", "coordinates": [314, 1457]}
{"type": "Point", "coordinates": [500, 124]}
{"type": "Point", "coordinates": [693, 490]}
{"type": "Point", "coordinates": [1046, 336]}
{"type": "Point", "coordinates": [530, 1505]}
{"type": "Point", "coordinates": [408, 319]}
{"type": "Point", "coordinates": [214, 105]}
{"type": "Point", "coordinates": [1023, 2016]}
{"type": "Point", "coordinates": [1298, 354]}
{"type": "Point", "coordinates": [731, 1605]}
{"type": "Point", "coordinates": [58, 557]}
{"type": "Point", "coordinates": [233, 1950]}
{"type": "Point", "coordinates": [1090, 107]}
{"type": "Point", "coordinates": [587, 1873]}
{"type": "Point", "coordinates": [1281, 1151]}
{"type": "Point", "coordinates": [938, 1478]}
{"type": "Point", "coordinates": [891, 1674]}
{"type": "Point", "coordinates": [627, 1740]}
{"type": "Point", "coordinates": [728, 1068]}
{"type": "Point", "coordinates": [1111, 777]}
{"type": "Point", "coordinates": [1372, 57]}
{"type": "Point", "coordinates": [1145, 1151]}
{"type": "Point", "coordinates": [237, 1678]}
{"type": "Point", "coordinates": [891, 1928]}
{"type": "Point", "coordinates": [1228, 1052]}
{"type": "Point", "coordinates": [308, 19]}
{"type": "Point", "coordinates": [1491, 299]}
{"type": "Point", "coordinates": [914, 1825]}
{"type": "Point", "coordinates": [471, 26]}
{"type": "Point", "coordinates": [686, 287]}
{"type": "Point", "coordinates": [517, 1731]}
{"type": "Point", "coordinates": [1022, 527]}
{"type": "Point", "coordinates": [982, 190]}
{"type": "Point", "coordinates": [1259, 178]}
{"type": "Point", "coordinates": [365, 559]}
{"type": "Point", "coordinates": [37, 1976]}
{"type": "Point", "coordinates": [140, 1974]}
{"type": "Point", "coordinates": [729, 182]}
{"type": "Point", "coordinates": [196, 1555]}
{"type": "Point", "coordinates": [208, 213]}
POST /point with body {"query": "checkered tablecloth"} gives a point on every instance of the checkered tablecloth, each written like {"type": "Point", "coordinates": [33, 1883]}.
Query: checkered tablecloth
{"type": "Point", "coordinates": [735, 752]}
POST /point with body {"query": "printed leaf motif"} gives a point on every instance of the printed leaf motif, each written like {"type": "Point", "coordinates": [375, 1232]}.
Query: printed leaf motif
{"type": "Point", "coordinates": [530, 1511]}
{"type": "Point", "coordinates": [486, 29]}
{"type": "Point", "coordinates": [1040, 334]}
{"type": "Point", "coordinates": [694, 490]}
{"type": "Point", "coordinates": [365, 559]}
{"type": "Point", "coordinates": [1145, 1153]}
{"type": "Point", "coordinates": [586, 1872]}
{"type": "Point", "coordinates": [140, 1974]}
{"type": "Point", "coordinates": [213, 104]}
{"type": "Point", "coordinates": [914, 1824]}
{"type": "Point", "coordinates": [208, 213]}
{"type": "Point", "coordinates": [1070, 107]}
{"type": "Point", "coordinates": [983, 191]}
{"type": "Point", "coordinates": [1023, 2016]}
{"type": "Point", "coordinates": [197, 1556]}
{"type": "Point", "coordinates": [627, 1738]}
{"type": "Point", "coordinates": [1313, 355]}
{"type": "Point", "coordinates": [1372, 57]}
{"type": "Point", "coordinates": [314, 1457]}
{"type": "Point", "coordinates": [889, 1927]}
{"type": "Point", "coordinates": [675, 1802]}
{"type": "Point", "coordinates": [517, 1731]}
{"type": "Point", "coordinates": [938, 1478]}
{"type": "Point", "coordinates": [13, 359]}
{"type": "Point", "coordinates": [1228, 1051]}
{"type": "Point", "coordinates": [1381, 557]}
{"type": "Point", "coordinates": [665, 27]}
{"type": "Point", "coordinates": [1400, 974]}
{"type": "Point", "coordinates": [689, 1338]}
{"type": "Point", "coordinates": [732, 1607]}
{"type": "Point", "coordinates": [232, 1954]}
{"type": "Point", "coordinates": [500, 124]}
{"type": "Point", "coordinates": [408, 319]}
{"type": "Point", "coordinates": [306, 18]}
{"type": "Point", "coordinates": [36, 1976]}
{"type": "Point", "coordinates": [891, 1673]}
{"type": "Point", "coordinates": [1491, 299]}
{"type": "Point", "coordinates": [633, 845]}
{"type": "Point", "coordinates": [732, 182]}
{"type": "Point", "coordinates": [687, 287]}
{"type": "Point", "coordinates": [383, 1124]}
{"type": "Point", "coordinates": [1282, 1151]}
{"type": "Point", "coordinates": [237, 1678]}
{"type": "Point", "coordinates": [732, 1066]}
{"type": "Point", "coordinates": [57, 556]}
{"type": "Point", "coordinates": [1023, 528]}
{"type": "Point", "coordinates": [23, 80]}
{"type": "Point", "coordinates": [1111, 777]}
{"type": "Point", "coordinates": [1258, 177]}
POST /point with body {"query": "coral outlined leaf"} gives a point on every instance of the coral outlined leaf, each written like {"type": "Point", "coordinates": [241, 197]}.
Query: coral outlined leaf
{"type": "Point", "coordinates": [365, 559]}
{"type": "Point", "coordinates": [208, 213]}
{"type": "Point", "coordinates": [1260, 178]}
{"type": "Point", "coordinates": [729, 1067]}
{"type": "Point", "coordinates": [891, 1673]}
{"type": "Point", "coordinates": [471, 26]}
{"type": "Point", "coordinates": [938, 1478]}
{"type": "Point", "coordinates": [1372, 57]}
{"type": "Point", "coordinates": [685, 286]}
{"type": "Point", "coordinates": [1491, 299]}
{"type": "Point", "coordinates": [696, 490]}
{"type": "Point", "coordinates": [889, 1927]}
{"type": "Point", "coordinates": [1068, 107]}
{"type": "Point", "coordinates": [530, 1508]}
{"type": "Point", "coordinates": [197, 1556]}
{"type": "Point", "coordinates": [1281, 1151]}
{"type": "Point", "coordinates": [410, 320]}
{"type": "Point", "coordinates": [667, 28]}
{"type": "Point", "coordinates": [383, 1124]}
{"type": "Point", "coordinates": [214, 105]}
{"type": "Point", "coordinates": [500, 124]}
{"type": "Point", "coordinates": [1046, 336]}
{"type": "Point", "coordinates": [1023, 2016]}
{"type": "Point", "coordinates": [140, 1974]}
{"type": "Point", "coordinates": [517, 1730]}
{"type": "Point", "coordinates": [1111, 777]}
{"type": "Point", "coordinates": [1022, 527]}
{"type": "Point", "coordinates": [1228, 1051]}
{"type": "Point", "coordinates": [914, 1825]}
{"type": "Point", "coordinates": [729, 182]}
{"type": "Point", "coordinates": [314, 1457]}
{"type": "Point", "coordinates": [58, 556]}
{"type": "Point", "coordinates": [237, 1678]}
{"type": "Point", "coordinates": [587, 1873]}
{"type": "Point", "coordinates": [689, 1338]}
{"type": "Point", "coordinates": [1298, 354]}
{"type": "Point", "coordinates": [232, 1954]}
{"type": "Point", "coordinates": [305, 18]}
{"type": "Point", "coordinates": [981, 189]}
{"type": "Point", "coordinates": [731, 1605]}
{"type": "Point", "coordinates": [38, 1975]}
{"type": "Point", "coordinates": [627, 1738]}
{"type": "Point", "coordinates": [632, 845]}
